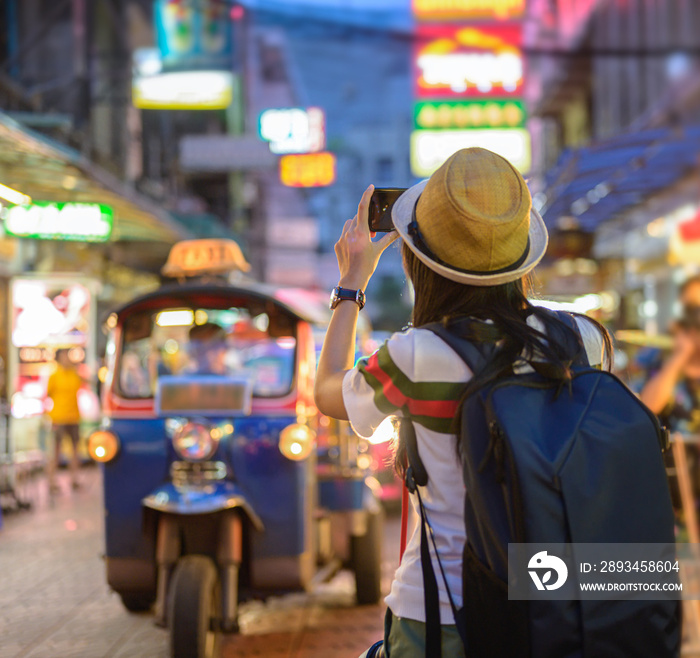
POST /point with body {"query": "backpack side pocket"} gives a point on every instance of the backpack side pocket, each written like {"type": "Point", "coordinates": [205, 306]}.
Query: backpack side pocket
{"type": "Point", "coordinates": [495, 626]}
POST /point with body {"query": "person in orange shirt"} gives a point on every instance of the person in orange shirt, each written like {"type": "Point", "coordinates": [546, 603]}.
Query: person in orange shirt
{"type": "Point", "coordinates": [63, 388]}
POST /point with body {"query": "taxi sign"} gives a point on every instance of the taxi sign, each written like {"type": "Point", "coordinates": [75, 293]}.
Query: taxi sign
{"type": "Point", "coordinates": [212, 256]}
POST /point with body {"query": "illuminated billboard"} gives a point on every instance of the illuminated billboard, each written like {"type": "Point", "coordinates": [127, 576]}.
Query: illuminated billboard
{"type": "Point", "coordinates": [430, 148]}
{"type": "Point", "coordinates": [467, 10]}
{"type": "Point", "coordinates": [294, 130]}
{"type": "Point", "coordinates": [187, 90]}
{"type": "Point", "coordinates": [308, 170]}
{"type": "Point", "coordinates": [457, 115]}
{"type": "Point", "coordinates": [46, 220]}
{"type": "Point", "coordinates": [473, 61]}
{"type": "Point", "coordinates": [194, 35]}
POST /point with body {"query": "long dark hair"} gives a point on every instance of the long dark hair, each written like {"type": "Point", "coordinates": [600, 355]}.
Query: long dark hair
{"type": "Point", "coordinates": [438, 299]}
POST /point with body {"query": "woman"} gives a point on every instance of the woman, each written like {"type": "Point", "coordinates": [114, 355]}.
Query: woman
{"type": "Point", "coordinates": [469, 237]}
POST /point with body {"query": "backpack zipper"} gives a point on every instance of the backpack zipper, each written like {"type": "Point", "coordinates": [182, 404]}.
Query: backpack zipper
{"type": "Point", "coordinates": [499, 450]}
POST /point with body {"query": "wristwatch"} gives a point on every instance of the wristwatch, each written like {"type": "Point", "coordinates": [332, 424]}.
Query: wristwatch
{"type": "Point", "coordinates": [338, 294]}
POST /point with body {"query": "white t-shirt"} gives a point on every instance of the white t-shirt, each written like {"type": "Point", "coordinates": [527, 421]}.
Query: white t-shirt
{"type": "Point", "coordinates": [417, 371]}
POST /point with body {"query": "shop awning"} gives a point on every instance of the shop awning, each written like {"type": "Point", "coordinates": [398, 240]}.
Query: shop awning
{"type": "Point", "coordinates": [600, 182]}
{"type": "Point", "coordinates": [49, 171]}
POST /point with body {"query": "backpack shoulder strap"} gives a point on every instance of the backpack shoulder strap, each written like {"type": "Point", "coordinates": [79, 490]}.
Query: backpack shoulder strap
{"type": "Point", "coordinates": [460, 336]}
{"type": "Point", "coordinates": [570, 321]}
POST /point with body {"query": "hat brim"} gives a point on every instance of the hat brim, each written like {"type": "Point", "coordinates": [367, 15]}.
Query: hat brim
{"type": "Point", "coordinates": [402, 212]}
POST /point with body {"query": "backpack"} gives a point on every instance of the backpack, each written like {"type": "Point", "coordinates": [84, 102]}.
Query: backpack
{"type": "Point", "coordinates": [537, 460]}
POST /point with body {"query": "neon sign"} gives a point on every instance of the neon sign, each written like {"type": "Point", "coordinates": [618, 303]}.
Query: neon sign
{"type": "Point", "coordinates": [430, 148]}
{"type": "Point", "coordinates": [307, 170]}
{"type": "Point", "coordinates": [462, 10]}
{"type": "Point", "coordinates": [45, 220]}
{"type": "Point", "coordinates": [194, 35]}
{"type": "Point", "coordinates": [446, 115]}
{"type": "Point", "coordinates": [468, 61]}
{"type": "Point", "coordinates": [186, 90]}
{"type": "Point", "coordinates": [294, 130]}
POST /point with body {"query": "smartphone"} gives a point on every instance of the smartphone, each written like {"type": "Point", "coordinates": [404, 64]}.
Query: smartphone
{"type": "Point", "coordinates": [383, 198]}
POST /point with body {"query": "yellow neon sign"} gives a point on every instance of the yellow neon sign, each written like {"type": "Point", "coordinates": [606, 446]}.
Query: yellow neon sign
{"type": "Point", "coordinates": [468, 9]}
{"type": "Point", "coordinates": [308, 169]}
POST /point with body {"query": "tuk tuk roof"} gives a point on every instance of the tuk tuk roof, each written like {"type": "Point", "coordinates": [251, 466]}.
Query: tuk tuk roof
{"type": "Point", "coordinates": [303, 304]}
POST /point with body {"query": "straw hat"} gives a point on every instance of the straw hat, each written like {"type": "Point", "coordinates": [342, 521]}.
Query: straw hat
{"type": "Point", "coordinates": [472, 221]}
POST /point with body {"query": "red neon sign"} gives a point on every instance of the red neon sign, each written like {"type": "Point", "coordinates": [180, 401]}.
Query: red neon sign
{"type": "Point", "coordinates": [470, 61]}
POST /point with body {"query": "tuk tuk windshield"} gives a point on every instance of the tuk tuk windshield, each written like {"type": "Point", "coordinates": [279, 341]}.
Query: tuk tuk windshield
{"type": "Point", "coordinates": [204, 341]}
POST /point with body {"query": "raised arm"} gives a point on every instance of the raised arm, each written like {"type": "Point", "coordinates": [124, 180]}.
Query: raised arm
{"type": "Point", "coordinates": [357, 257]}
{"type": "Point", "coordinates": [658, 391]}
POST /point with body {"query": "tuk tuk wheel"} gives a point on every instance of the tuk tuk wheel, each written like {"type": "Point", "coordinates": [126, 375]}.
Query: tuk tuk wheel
{"type": "Point", "coordinates": [137, 602]}
{"type": "Point", "coordinates": [193, 608]}
{"type": "Point", "coordinates": [367, 560]}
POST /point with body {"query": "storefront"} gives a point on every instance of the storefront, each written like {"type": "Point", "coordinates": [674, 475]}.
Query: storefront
{"type": "Point", "coordinates": [630, 196]}
{"type": "Point", "coordinates": [74, 241]}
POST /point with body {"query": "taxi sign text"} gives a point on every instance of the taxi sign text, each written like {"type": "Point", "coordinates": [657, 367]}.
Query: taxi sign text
{"type": "Point", "coordinates": [195, 257]}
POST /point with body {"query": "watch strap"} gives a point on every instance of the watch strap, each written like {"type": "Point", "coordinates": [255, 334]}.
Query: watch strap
{"type": "Point", "coordinates": [340, 294]}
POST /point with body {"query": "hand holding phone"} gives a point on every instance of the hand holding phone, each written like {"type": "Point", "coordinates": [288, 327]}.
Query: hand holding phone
{"type": "Point", "coordinates": [380, 205]}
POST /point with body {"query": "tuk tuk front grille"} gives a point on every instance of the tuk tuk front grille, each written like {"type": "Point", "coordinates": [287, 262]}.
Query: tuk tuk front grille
{"type": "Point", "coordinates": [194, 473]}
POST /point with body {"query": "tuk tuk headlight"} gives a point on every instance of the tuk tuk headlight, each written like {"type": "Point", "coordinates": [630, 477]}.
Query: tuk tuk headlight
{"type": "Point", "coordinates": [195, 442]}
{"type": "Point", "coordinates": [296, 441]}
{"type": "Point", "coordinates": [103, 446]}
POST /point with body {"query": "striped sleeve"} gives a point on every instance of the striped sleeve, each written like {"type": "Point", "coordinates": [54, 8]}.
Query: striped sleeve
{"type": "Point", "coordinates": [400, 379]}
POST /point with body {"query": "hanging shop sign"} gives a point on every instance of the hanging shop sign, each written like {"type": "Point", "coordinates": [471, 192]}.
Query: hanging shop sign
{"type": "Point", "coordinates": [468, 10]}
{"type": "Point", "coordinates": [468, 61]}
{"type": "Point", "coordinates": [456, 115]}
{"type": "Point", "coordinates": [46, 220]}
{"type": "Point", "coordinates": [194, 34]}
{"type": "Point", "coordinates": [430, 148]}
{"type": "Point", "coordinates": [308, 169]}
{"type": "Point", "coordinates": [187, 90]}
{"type": "Point", "coordinates": [294, 130]}
{"type": "Point", "coordinates": [223, 153]}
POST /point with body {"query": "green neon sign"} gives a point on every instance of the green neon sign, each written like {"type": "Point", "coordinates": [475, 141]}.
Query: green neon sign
{"type": "Point", "coordinates": [461, 115]}
{"type": "Point", "coordinates": [48, 220]}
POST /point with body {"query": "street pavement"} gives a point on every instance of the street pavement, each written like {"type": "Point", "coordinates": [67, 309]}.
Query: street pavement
{"type": "Point", "coordinates": [55, 603]}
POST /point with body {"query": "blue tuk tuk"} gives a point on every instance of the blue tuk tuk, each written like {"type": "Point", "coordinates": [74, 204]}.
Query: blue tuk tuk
{"type": "Point", "coordinates": [212, 488]}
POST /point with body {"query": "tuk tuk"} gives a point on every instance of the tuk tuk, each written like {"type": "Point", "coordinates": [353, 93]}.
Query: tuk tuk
{"type": "Point", "coordinates": [213, 491]}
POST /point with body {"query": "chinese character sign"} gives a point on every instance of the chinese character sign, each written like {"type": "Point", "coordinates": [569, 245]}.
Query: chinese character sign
{"type": "Point", "coordinates": [472, 61]}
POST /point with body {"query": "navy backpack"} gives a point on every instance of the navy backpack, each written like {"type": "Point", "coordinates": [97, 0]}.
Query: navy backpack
{"type": "Point", "coordinates": [542, 463]}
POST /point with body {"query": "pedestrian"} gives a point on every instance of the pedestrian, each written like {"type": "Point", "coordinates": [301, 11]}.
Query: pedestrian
{"type": "Point", "coordinates": [469, 238]}
{"type": "Point", "coordinates": [673, 389]}
{"type": "Point", "coordinates": [63, 386]}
